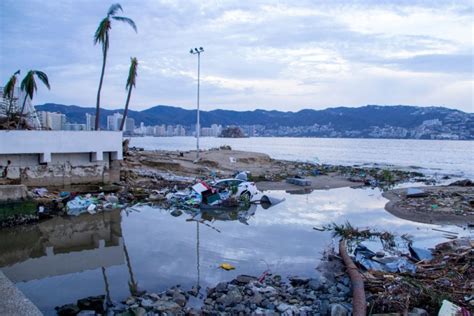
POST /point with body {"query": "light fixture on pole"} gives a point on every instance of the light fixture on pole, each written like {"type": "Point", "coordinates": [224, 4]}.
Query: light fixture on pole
{"type": "Point", "coordinates": [198, 51]}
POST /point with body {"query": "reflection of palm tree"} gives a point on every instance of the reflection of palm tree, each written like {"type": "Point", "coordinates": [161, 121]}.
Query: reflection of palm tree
{"type": "Point", "coordinates": [132, 284]}
{"type": "Point", "coordinates": [107, 289]}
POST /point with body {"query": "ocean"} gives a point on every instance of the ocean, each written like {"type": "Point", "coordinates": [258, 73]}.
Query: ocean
{"type": "Point", "coordinates": [431, 156]}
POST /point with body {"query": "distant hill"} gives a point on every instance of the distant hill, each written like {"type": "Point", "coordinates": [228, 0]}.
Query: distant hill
{"type": "Point", "coordinates": [399, 121]}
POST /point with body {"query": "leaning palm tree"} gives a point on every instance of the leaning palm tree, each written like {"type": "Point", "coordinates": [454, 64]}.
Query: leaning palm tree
{"type": "Point", "coordinates": [131, 80]}
{"type": "Point", "coordinates": [9, 93]}
{"type": "Point", "coordinates": [102, 37]}
{"type": "Point", "coordinates": [28, 86]}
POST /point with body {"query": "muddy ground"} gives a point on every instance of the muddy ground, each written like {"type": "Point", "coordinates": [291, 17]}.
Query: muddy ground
{"type": "Point", "coordinates": [442, 205]}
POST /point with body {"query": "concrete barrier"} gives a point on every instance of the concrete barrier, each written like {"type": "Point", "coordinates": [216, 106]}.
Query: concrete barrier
{"type": "Point", "coordinates": [12, 192]}
{"type": "Point", "coordinates": [60, 158]}
{"type": "Point", "coordinates": [13, 302]}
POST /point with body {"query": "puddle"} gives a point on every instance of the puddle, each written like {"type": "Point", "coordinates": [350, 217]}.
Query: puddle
{"type": "Point", "coordinates": [64, 259]}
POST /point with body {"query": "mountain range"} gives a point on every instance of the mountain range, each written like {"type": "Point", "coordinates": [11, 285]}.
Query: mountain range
{"type": "Point", "coordinates": [396, 121]}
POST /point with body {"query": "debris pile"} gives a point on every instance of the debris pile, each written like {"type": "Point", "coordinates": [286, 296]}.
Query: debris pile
{"type": "Point", "coordinates": [400, 277]}
{"type": "Point", "coordinates": [448, 276]}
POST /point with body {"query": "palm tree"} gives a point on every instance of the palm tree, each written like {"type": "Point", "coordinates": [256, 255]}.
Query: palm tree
{"type": "Point", "coordinates": [101, 36]}
{"type": "Point", "coordinates": [9, 92]}
{"type": "Point", "coordinates": [28, 86]}
{"type": "Point", "coordinates": [132, 77]}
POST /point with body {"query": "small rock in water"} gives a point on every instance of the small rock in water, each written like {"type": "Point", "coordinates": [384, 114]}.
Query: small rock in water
{"type": "Point", "coordinates": [138, 311]}
{"type": "Point", "coordinates": [179, 299]}
{"type": "Point", "coordinates": [67, 310]}
{"type": "Point", "coordinates": [95, 303]}
{"type": "Point", "coordinates": [146, 303]}
{"type": "Point", "coordinates": [245, 279]}
{"type": "Point", "coordinates": [338, 310]}
{"type": "Point", "coordinates": [221, 287]}
{"type": "Point", "coordinates": [298, 281]}
{"type": "Point", "coordinates": [176, 213]}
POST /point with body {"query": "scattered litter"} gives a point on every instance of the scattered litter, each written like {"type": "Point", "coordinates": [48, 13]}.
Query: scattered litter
{"type": "Point", "coordinates": [79, 205]}
{"type": "Point", "coordinates": [416, 193]}
{"type": "Point", "coordinates": [449, 309]}
{"type": "Point", "coordinates": [232, 160]}
{"type": "Point", "coordinates": [420, 254]}
{"type": "Point", "coordinates": [445, 231]}
{"type": "Point", "coordinates": [299, 181]}
{"type": "Point", "coordinates": [40, 191]}
{"type": "Point", "coordinates": [226, 266]}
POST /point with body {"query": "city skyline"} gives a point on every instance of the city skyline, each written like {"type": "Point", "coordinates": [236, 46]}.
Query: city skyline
{"type": "Point", "coordinates": [258, 55]}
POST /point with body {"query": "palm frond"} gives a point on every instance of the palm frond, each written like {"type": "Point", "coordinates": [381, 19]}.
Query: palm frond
{"type": "Point", "coordinates": [102, 31]}
{"type": "Point", "coordinates": [126, 20]}
{"type": "Point", "coordinates": [43, 77]}
{"type": "Point", "coordinates": [114, 8]}
{"type": "Point", "coordinates": [9, 89]}
{"type": "Point", "coordinates": [132, 73]}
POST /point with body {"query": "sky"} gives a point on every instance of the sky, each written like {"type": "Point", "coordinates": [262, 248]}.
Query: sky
{"type": "Point", "coordinates": [282, 55]}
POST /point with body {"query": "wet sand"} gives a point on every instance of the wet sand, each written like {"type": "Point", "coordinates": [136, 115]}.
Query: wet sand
{"type": "Point", "coordinates": [422, 209]}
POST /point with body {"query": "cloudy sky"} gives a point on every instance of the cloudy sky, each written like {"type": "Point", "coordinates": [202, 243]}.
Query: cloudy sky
{"type": "Point", "coordinates": [284, 55]}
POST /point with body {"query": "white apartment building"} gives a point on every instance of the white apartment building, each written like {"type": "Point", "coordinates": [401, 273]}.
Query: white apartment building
{"type": "Point", "coordinates": [51, 120]}
{"type": "Point", "coordinates": [90, 122]}
{"type": "Point", "coordinates": [113, 121]}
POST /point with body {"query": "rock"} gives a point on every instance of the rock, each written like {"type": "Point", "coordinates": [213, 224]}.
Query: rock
{"type": "Point", "coordinates": [179, 299]}
{"type": "Point", "coordinates": [342, 288]}
{"type": "Point", "coordinates": [298, 281]}
{"type": "Point", "coordinates": [293, 301]}
{"type": "Point", "coordinates": [176, 213]}
{"type": "Point", "coordinates": [316, 284]}
{"type": "Point", "coordinates": [338, 310]}
{"type": "Point", "coordinates": [146, 303]}
{"type": "Point", "coordinates": [239, 308]}
{"type": "Point", "coordinates": [221, 287]}
{"type": "Point", "coordinates": [245, 279]}
{"type": "Point", "coordinates": [166, 306]}
{"type": "Point", "coordinates": [95, 303]}
{"type": "Point", "coordinates": [68, 310]}
{"type": "Point", "coordinates": [130, 300]}
{"type": "Point", "coordinates": [138, 311]}
{"type": "Point", "coordinates": [194, 291]}
{"type": "Point", "coordinates": [283, 307]}
{"type": "Point", "coordinates": [256, 299]}
{"type": "Point", "coordinates": [324, 307]}
{"type": "Point", "coordinates": [233, 297]}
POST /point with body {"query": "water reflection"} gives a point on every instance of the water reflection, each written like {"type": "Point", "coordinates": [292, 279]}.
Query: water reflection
{"type": "Point", "coordinates": [61, 246]}
{"type": "Point", "coordinates": [148, 249]}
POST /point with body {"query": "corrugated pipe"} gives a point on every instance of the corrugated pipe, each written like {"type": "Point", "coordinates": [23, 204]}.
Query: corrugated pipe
{"type": "Point", "coordinates": [359, 304]}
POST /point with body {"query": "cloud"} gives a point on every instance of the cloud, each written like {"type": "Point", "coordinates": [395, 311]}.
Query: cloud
{"type": "Point", "coordinates": [266, 54]}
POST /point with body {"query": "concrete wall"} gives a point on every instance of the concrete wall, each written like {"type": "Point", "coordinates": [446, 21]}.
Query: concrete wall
{"type": "Point", "coordinates": [42, 158]}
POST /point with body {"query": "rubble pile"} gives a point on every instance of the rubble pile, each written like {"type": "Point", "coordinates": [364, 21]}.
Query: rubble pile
{"type": "Point", "coordinates": [448, 276]}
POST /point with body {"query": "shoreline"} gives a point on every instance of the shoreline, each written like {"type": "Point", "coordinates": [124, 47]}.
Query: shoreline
{"type": "Point", "coordinates": [437, 207]}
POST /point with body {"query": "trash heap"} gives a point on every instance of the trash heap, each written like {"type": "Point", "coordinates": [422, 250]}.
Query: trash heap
{"type": "Point", "coordinates": [73, 203]}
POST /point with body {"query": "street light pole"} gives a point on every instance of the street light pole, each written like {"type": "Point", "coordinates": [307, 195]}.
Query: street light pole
{"type": "Point", "coordinates": [198, 51]}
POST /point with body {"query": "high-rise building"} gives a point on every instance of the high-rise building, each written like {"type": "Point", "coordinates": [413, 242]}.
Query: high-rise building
{"type": "Point", "coordinates": [90, 122]}
{"type": "Point", "coordinates": [113, 121]}
{"type": "Point", "coordinates": [129, 125]}
{"type": "Point", "coordinates": [52, 120]}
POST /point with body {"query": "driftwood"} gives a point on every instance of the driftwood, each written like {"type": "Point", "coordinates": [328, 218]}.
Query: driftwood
{"type": "Point", "coordinates": [359, 304]}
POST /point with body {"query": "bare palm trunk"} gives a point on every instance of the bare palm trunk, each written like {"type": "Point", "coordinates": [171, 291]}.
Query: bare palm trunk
{"type": "Point", "coordinates": [97, 110]}
{"type": "Point", "coordinates": [21, 113]}
{"type": "Point", "coordinates": [125, 112]}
